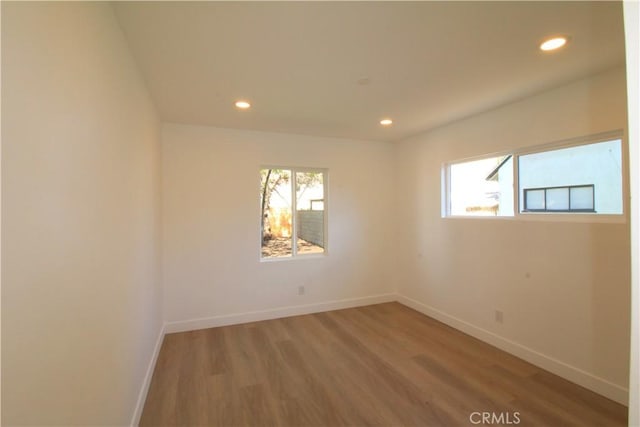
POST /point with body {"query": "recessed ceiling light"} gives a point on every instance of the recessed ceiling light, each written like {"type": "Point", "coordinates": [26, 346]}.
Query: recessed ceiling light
{"type": "Point", "coordinates": [386, 122]}
{"type": "Point", "coordinates": [554, 43]}
{"type": "Point", "coordinates": [243, 105]}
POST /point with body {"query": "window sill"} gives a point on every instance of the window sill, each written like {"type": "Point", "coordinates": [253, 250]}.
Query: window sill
{"type": "Point", "coordinates": [550, 217]}
{"type": "Point", "coordinates": [294, 258]}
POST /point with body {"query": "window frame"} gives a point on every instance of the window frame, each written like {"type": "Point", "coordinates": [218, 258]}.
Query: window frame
{"type": "Point", "coordinates": [518, 193]}
{"type": "Point", "coordinates": [294, 220]}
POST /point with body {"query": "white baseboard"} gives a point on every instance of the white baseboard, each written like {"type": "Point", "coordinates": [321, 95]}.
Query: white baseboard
{"type": "Point", "coordinates": [571, 373]}
{"type": "Point", "coordinates": [142, 396]}
{"type": "Point", "coordinates": [254, 316]}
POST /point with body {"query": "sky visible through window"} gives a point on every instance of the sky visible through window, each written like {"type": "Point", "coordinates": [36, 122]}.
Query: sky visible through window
{"type": "Point", "coordinates": [471, 193]}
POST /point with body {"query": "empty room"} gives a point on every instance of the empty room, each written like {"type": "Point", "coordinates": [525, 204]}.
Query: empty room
{"type": "Point", "coordinates": [319, 213]}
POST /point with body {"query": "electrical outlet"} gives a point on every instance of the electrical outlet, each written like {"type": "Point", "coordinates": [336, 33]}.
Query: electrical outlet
{"type": "Point", "coordinates": [301, 290]}
{"type": "Point", "coordinates": [499, 316]}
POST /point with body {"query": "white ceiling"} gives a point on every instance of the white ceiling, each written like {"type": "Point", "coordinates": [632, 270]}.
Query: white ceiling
{"type": "Point", "coordinates": [428, 63]}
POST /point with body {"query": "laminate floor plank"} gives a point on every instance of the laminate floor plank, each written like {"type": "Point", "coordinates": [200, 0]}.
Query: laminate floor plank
{"type": "Point", "coordinates": [380, 365]}
{"type": "Point", "coordinates": [437, 400]}
{"type": "Point", "coordinates": [581, 396]}
{"type": "Point", "coordinates": [324, 355]}
{"type": "Point", "coordinates": [462, 365]}
{"type": "Point", "coordinates": [418, 326]}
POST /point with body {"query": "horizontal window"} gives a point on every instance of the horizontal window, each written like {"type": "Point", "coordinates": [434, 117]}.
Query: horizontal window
{"type": "Point", "coordinates": [581, 179]}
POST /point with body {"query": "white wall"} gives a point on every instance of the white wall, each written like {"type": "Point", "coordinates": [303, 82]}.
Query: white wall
{"type": "Point", "coordinates": [80, 218]}
{"type": "Point", "coordinates": [563, 286]}
{"type": "Point", "coordinates": [211, 224]}
{"type": "Point", "coordinates": [0, 226]}
{"type": "Point", "coordinates": [632, 40]}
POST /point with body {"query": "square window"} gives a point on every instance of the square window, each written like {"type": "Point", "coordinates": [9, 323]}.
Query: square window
{"type": "Point", "coordinates": [557, 199]}
{"type": "Point", "coordinates": [534, 200]}
{"type": "Point", "coordinates": [582, 198]}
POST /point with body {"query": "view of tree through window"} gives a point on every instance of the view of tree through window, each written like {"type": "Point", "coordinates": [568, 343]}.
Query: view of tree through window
{"type": "Point", "coordinates": [291, 200]}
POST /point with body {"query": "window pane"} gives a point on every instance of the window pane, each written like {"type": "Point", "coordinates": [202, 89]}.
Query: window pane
{"type": "Point", "coordinates": [310, 212]}
{"type": "Point", "coordinates": [598, 164]}
{"type": "Point", "coordinates": [582, 198]}
{"type": "Point", "coordinates": [275, 200]}
{"type": "Point", "coordinates": [535, 199]}
{"type": "Point", "coordinates": [557, 199]}
{"type": "Point", "coordinates": [482, 187]}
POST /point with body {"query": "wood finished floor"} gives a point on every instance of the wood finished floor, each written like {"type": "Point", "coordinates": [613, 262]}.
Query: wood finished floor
{"type": "Point", "coordinates": [379, 365]}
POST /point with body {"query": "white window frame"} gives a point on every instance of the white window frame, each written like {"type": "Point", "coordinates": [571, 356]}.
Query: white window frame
{"type": "Point", "coordinates": [294, 216]}
{"type": "Point", "coordinates": [547, 215]}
